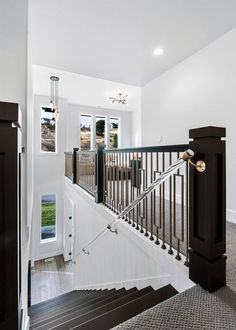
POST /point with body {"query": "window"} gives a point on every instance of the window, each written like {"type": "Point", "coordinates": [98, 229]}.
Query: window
{"type": "Point", "coordinates": [114, 133]}
{"type": "Point", "coordinates": [100, 130]}
{"type": "Point", "coordinates": [85, 132]}
{"type": "Point", "coordinates": [48, 217]}
{"type": "Point", "coordinates": [48, 130]}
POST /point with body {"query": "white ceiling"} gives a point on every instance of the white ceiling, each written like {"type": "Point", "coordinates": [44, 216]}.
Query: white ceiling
{"type": "Point", "coordinates": [114, 39]}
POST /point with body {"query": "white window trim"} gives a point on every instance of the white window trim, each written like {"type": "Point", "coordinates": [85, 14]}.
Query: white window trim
{"type": "Point", "coordinates": [119, 123]}
{"type": "Point", "coordinates": [47, 153]}
{"type": "Point", "coordinates": [91, 131]}
{"type": "Point", "coordinates": [107, 129]}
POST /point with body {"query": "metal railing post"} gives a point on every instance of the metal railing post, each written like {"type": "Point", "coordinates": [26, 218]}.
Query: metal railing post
{"type": "Point", "coordinates": [99, 174]}
{"type": "Point", "coordinates": [74, 165]}
{"type": "Point", "coordinates": [207, 209]}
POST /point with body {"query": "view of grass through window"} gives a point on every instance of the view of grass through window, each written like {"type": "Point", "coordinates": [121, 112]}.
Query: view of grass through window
{"type": "Point", "coordinates": [114, 131]}
{"type": "Point", "coordinates": [48, 130]}
{"type": "Point", "coordinates": [85, 132]}
{"type": "Point", "coordinates": [48, 217]}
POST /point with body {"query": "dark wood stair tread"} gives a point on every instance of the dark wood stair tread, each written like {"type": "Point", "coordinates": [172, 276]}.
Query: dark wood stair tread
{"type": "Point", "coordinates": [62, 300]}
{"type": "Point", "coordinates": [80, 303]}
{"type": "Point", "coordinates": [65, 317]}
{"type": "Point", "coordinates": [95, 309]}
{"type": "Point", "coordinates": [123, 313]}
{"type": "Point", "coordinates": [71, 322]}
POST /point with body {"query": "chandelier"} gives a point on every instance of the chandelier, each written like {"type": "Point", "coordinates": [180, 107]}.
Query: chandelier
{"type": "Point", "coordinates": [54, 95]}
{"type": "Point", "coordinates": [120, 100]}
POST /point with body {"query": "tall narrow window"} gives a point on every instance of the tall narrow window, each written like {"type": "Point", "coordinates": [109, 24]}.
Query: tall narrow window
{"type": "Point", "coordinates": [100, 130]}
{"type": "Point", "coordinates": [85, 132]}
{"type": "Point", "coordinates": [48, 130]}
{"type": "Point", "coordinates": [114, 133]}
{"type": "Point", "coordinates": [48, 217]}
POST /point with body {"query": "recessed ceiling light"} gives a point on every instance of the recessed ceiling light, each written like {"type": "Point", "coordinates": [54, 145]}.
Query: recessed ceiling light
{"type": "Point", "coordinates": [158, 51]}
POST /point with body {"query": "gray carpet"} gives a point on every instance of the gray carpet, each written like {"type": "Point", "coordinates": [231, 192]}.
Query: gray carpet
{"type": "Point", "coordinates": [195, 308]}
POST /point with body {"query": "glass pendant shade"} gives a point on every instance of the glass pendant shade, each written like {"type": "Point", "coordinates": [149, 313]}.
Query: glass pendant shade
{"type": "Point", "coordinates": [54, 95]}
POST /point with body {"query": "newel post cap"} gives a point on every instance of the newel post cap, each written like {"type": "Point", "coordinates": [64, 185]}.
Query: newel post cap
{"type": "Point", "coordinates": [205, 132]}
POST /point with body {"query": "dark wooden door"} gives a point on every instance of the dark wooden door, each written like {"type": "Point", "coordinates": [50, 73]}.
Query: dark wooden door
{"type": "Point", "coordinates": [10, 232]}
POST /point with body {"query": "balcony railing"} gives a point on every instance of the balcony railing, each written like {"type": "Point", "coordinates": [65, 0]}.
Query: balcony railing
{"type": "Point", "coordinates": [163, 215]}
{"type": "Point", "coordinates": [185, 214]}
{"type": "Point", "coordinates": [68, 165]}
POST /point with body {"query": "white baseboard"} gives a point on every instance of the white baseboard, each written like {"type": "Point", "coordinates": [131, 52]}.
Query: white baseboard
{"type": "Point", "coordinates": [155, 281]}
{"type": "Point", "coordinates": [231, 216]}
{"type": "Point", "coordinates": [26, 323]}
{"type": "Point", "coordinates": [48, 255]}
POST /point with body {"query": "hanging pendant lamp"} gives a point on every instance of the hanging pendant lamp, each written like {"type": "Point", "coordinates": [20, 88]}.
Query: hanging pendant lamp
{"type": "Point", "coordinates": [54, 95]}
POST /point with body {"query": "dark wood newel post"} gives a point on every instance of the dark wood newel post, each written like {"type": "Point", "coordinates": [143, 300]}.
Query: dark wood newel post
{"type": "Point", "coordinates": [99, 174]}
{"type": "Point", "coordinates": [74, 164]}
{"type": "Point", "coordinates": [207, 209]}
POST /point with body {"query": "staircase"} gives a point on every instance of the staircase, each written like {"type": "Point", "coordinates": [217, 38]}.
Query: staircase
{"type": "Point", "coordinates": [95, 309]}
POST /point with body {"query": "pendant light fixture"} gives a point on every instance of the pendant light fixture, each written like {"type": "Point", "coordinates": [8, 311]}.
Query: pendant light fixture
{"type": "Point", "coordinates": [122, 99]}
{"type": "Point", "coordinates": [54, 95]}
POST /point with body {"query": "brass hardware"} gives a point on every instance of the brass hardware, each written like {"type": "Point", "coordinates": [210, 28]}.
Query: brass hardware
{"type": "Point", "coordinates": [200, 165]}
{"type": "Point", "coordinates": [187, 155]}
{"type": "Point", "coordinates": [85, 252]}
{"type": "Point", "coordinates": [112, 230]}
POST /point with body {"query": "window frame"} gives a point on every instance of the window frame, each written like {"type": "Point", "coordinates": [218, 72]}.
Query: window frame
{"type": "Point", "coordinates": [91, 131]}
{"type": "Point", "coordinates": [52, 239]}
{"type": "Point", "coordinates": [42, 152]}
{"type": "Point", "coordinates": [119, 121]}
{"type": "Point", "coordinates": [107, 120]}
{"type": "Point", "coordinates": [107, 129]}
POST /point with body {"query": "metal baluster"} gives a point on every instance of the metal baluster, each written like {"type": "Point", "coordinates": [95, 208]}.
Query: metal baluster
{"type": "Point", "coordinates": [122, 181]}
{"type": "Point", "coordinates": [130, 186]}
{"type": "Point", "coordinates": [187, 216]}
{"type": "Point", "coordinates": [104, 179]}
{"type": "Point", "coordinates": [170, 206]}
{"type": "Point", "coordinates": [146, 199]}
{"type": "Point", "coordinates": [163, 205]}
{"type": "Point", "coordinates": [144, 205]}
{"type": "Point", "coordinates": [157, 228]}
{"type": "Point", "coordinates": [110, 180]}
{"type": "Point", "coordinates": [137, 190]}
{"type": "Point", "coordinates": [151, 175]}
{"type": "Point", "coordinates": [113, 182]}
{"type": "Point", "coordinates": [126, 183]}
{"type": "Point", "coordinates": [118, 183]}
{"type": "Point", "coordinates": [134, 179]}
{"type": "Point", "coordinates": [178, 241]}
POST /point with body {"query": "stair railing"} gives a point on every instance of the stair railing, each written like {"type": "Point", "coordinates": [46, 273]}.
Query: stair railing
{"type": "Point", "coordinates": [187, 155]}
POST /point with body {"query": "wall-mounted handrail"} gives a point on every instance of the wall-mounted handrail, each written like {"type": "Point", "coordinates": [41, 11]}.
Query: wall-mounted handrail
{"type": "Point", "coordinates": [188, 154]}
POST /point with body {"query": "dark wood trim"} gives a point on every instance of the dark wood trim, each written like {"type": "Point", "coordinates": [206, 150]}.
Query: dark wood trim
{"type": "Point", "coordinates": [163, 148]}
{"type": "Point", "coordinates": [207, 209]}
{"type": "Point", "coordinates": [99, 174]}
{"type": "Point", "coordinates": [10, 229]}
{"type": "Point", "coordinates": [74, 165]}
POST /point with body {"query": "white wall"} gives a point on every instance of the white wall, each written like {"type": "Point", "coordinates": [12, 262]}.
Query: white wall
{"type": "Point", "coordinates": [48, 178]}
{"type": "Point", "coordinates": [74, 112]}
{"type": "Point", "coordinates": [125, 260]}
{"type": "Point", "coordinates": [198, 92]}
{"type": "Point", "coordinates": [91, 92]}
{"type": "Point", "coordinates": [49, 168]}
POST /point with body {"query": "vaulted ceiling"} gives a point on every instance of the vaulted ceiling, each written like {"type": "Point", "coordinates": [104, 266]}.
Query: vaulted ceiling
{"type": "Point", "coordinates": [115, 39]}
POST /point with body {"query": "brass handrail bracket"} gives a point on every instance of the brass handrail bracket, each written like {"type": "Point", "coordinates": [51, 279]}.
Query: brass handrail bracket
{"type": "Point", "coordinates": [200, 165]}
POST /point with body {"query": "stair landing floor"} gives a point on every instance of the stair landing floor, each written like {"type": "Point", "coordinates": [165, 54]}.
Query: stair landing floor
{"type": "Point", "coordinates": [195, 309]}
